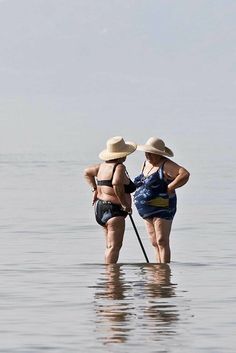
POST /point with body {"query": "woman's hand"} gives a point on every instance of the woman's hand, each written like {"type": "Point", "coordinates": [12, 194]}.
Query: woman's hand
{"type": "Point", "coordinates": [127, 208]}
{"type": "Point", "coordinates": [94, 199]}
{"type": "Point", "coordinates": [170, 190]}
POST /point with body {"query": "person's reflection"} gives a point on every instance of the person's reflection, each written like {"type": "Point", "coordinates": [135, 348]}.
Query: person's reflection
{"type": "Point", "coordinates": [112, 310]}
{"type": "Point", "coordinates": [160, 311]}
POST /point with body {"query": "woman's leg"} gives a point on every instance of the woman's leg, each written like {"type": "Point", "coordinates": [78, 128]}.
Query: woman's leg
{"type": "Point", "coordinates": [152, 236]}
{"type": "Point", "coordinates": [115, 229]}
{"type": "Point", "coordinates": [162, 230]}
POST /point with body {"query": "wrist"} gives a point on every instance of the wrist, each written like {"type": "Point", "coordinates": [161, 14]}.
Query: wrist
{"type": "Point", "coordinates": [170, 189]}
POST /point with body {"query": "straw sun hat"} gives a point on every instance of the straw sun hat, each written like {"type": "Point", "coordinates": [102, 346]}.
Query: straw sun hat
{"type": "Point", "coordinates": [156, 146]}
{"type": "Point", "coordinates": [117, 148]}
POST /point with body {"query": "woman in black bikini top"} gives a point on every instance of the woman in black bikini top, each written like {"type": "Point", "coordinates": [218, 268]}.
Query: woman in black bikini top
{"type": "Point", "coordinates": [111, 188]}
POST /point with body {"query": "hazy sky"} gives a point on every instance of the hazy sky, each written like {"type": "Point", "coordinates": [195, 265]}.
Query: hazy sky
{"type": "Point", "coordinates": [75, 72]}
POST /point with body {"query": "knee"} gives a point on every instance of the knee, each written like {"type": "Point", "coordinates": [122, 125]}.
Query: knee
{"type": "Point", "coordinates": [114, 246]}
{"type": "Point", "coordinates": [154, 242]}
{"type": "Point", "coordinates": [162, 242]}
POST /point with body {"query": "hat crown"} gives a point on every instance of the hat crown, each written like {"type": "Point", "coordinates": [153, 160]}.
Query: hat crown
{"type": "Point", "coordinates": [116, 144]}
{"type": "Point", "coordinates": [117, 148]}
{"type": "Point", "coordinates": [156, 146]}
{"type": "Point", "coordinates": [156, 143]}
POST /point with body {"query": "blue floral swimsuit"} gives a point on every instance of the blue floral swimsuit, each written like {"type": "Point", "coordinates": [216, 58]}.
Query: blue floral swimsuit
{"type": "Point", "coordinates": [151, 198]}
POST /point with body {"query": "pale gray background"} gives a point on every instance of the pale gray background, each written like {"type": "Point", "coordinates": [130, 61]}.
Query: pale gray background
{"type": "Point", "coordinates": [73, 73]}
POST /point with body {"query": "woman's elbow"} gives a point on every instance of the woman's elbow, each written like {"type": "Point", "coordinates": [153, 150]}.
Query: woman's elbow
{"type": "Point", "coordinates": [87, 172]}
{"type": "Point", "coordinates": [186, 175]}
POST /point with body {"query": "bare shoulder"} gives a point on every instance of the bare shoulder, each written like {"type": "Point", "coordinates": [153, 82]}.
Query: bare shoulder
{"type": "Point", "coordinates": [120, 169]}
{"type": "Point", "coordinates": [169, 164]}
{"type": "Point", "coordinates": [119, 174]}
{"type": "Point", "coordinates": [172, 169]}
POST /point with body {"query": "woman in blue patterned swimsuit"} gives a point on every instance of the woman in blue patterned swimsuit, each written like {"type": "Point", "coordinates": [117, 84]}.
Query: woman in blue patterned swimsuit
{"type": "Point", "coordinates": [155, 197]}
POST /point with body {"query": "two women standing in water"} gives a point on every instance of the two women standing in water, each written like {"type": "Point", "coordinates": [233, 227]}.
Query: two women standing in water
{"type": "Point", "coordinates": [154, 193]}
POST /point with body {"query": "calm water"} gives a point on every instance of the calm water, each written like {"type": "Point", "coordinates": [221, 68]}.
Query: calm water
{"type": "Point", "coordinates": [57, 295]}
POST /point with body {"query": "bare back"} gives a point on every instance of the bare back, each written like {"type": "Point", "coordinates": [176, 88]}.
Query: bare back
{"type": "Point", "coordinates": [115, 173]}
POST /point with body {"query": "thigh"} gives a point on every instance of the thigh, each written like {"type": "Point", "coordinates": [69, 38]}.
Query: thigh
{"type": "Point", "coordinates": [115, 230]}
{"type": "Point", "coordinates": [162, 228]}
{"type": "Point", "coordinates": [149, 224]}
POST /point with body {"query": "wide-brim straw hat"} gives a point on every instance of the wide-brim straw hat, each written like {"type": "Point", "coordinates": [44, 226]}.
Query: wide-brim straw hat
{"type": "Point", "coordinates": [117, 148]}
{"type": "Point", "coordinates": [156, 146]}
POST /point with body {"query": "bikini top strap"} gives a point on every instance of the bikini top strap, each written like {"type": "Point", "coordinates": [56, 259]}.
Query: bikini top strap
{"type": "Point", "coordinates": [114, 169]}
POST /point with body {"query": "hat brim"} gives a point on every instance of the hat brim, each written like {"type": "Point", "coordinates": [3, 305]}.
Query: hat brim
{"type": "Point", "coordinates": [130, 147]}
{"type": "Point", "coordinates": [146, 148]}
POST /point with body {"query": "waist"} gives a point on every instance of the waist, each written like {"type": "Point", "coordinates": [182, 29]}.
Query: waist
{"type": "Point", "coordinates": [104, 202]}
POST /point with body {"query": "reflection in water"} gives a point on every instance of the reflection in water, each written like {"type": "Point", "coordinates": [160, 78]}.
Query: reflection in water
{"type": "Point", "coordinates": [135, 298]}
{"type": "Point", "coordinates": [113, 310]}
{"type": "Point", "coordinates": [160, 311]}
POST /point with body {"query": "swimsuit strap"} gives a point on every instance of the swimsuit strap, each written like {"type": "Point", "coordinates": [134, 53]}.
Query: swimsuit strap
{"type": "Point", "coordinates": [108, 182]}
{"type": "Point", "coordinates": [161, 170]}
{"type": "Point", "coordinates": [144, 163]}
{"type": "Point", "coordinates": [114, 169]}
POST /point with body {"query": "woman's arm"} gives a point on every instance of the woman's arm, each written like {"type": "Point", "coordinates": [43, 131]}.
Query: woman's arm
{"type": "Point", "coordinates": [90, 173]}
{"type": "Point", "coordinates": [118, 187]}
{"type": "Point", "coordinates": [178, 174]}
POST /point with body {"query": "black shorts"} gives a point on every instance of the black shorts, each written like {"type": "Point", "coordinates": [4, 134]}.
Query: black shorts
{"type": "Point", "coordinates": [104, 210]}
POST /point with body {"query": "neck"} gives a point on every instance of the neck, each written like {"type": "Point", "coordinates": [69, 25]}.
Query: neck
{"type": "Point", "coordinates": [155, 161]}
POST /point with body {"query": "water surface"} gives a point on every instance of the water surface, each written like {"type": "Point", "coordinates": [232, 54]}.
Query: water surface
{"type": "Point", "coordinates": [57, 295]}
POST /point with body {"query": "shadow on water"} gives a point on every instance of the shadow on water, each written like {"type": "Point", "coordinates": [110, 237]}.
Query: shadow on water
{"type": "Point", "coordinates": [135, 299]}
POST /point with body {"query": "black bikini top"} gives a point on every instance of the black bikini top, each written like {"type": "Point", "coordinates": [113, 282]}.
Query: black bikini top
{"type": "Point", "coordinates": [129, 188]}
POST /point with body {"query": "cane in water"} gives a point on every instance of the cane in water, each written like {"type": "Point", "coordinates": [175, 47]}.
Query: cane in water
{"type": "Point", "coordinates": [140, 242]}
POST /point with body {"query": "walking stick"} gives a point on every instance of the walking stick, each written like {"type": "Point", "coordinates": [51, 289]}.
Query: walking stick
{"type": "Point", "coordinates": [140, 242]}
